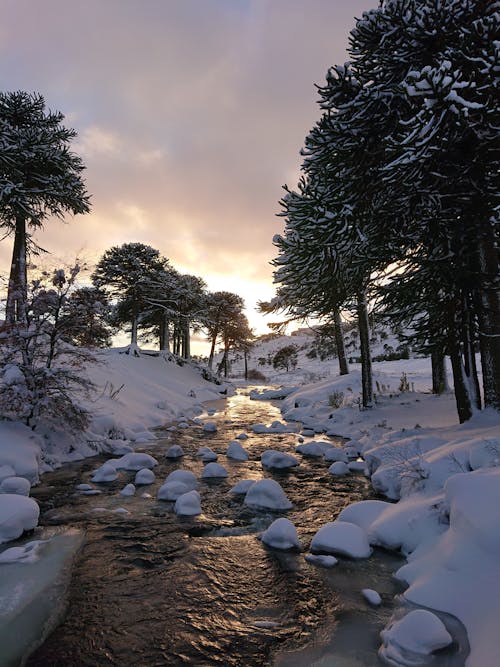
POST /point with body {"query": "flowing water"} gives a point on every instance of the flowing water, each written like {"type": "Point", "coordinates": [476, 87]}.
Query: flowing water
{"type": "Point", "coordinates": [150, 588]}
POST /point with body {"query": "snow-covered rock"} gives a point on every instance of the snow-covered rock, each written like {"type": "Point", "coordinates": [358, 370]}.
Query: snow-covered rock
{"type": "Point", "coordinates": [338, 469]}
{"type": "Point", "coordinates": [281, 534]}
{"type": "Point", "coordinates": [335, 454]}
{"type": "Point", "coordinates": [321, 559]}
{"type": "Point", "coordinates": [128, 490]}
{"type": "Point", "coordinates": [210, 427]}
{"type": "Point", "coordinates": [314, 449]}
{"type": "Point", "coordinates": [185, 476]}
{"type": "Point", "coordinates": [174, 452]}
{"type": "Point", "coordinates": [6, 471]}
{"type": "Point", "coordinates": [209, 455]}
{"type": "Point", "coordinates": [357, 466]}
{"type": "Point", "coordinates": [267, 494]}
{"type": "Point", "coordinates": [213, 470]}
{"type": "Point", "coordinates": [241, 436]}
{"type": "Point", "coordinates": [417, 634]}
{"type": "Point", "coordinates": [106, 473]}
{"type": "Point", "coordinates": [18, 485]}
{"type": "Point", "coordinates": [364, 513]}
{"type": "Point", "coordinates": [172, 490]}
{"type": "Point", "coordinates": [134, 461]}
{"type": "Point", "coordinates": [27, 553]}
{"type": "Point", "coordinates": [275, 460]}
{"type": "Point", "coordinates": [236, 452]}
{"type": "Point", "coordinates": [371, 596]}
{"type": "Point", "coordinates": [339, 537]}
{"type": "Point", "coordinates": [17, 514]}
{"type": "Point", "coordinates": [144, 476]}
{"type": "Point", "coordinates": [242, 486]}
{"type": "Point", "coordinates": [188, 504]}
{"type": "Point", "coordinates": [275, 427]}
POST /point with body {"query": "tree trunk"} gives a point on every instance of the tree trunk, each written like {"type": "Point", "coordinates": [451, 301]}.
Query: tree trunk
{"type": "Point", "coordinates": [133, 335]}
{"type": "Point", "coordinates": [489, 315]}
{"type": "Point", "coordinates": [470, 366]}
{"type": "Point", "coordinates": [245, 354]}
{"type": "Point", "coordinates": [460, 382]}
{"type": "Point", "coordinates": [212, 351]}
{"type": "Point", "coordinates": [439, 376]}
{"type": "Point", "coordinates": [366, 361]}
{"type": "Point", "coordinates": [166, 333]}
{"type": "Point", "coordinates": [15, 309]}
{"type": "Point", "coordinates": [187, 342]}
{"type": "Point", "coordinates": [339, 341]}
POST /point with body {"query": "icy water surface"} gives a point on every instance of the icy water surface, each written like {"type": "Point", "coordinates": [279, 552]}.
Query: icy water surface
{"type": "Point", "coordinates": [150, 588]}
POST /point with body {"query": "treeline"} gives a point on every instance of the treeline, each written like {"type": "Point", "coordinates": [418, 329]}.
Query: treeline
{"type": "Point", "coordinates": [396, 205]}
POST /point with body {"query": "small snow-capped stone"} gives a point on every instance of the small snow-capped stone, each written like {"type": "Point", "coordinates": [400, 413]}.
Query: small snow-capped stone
{"type": "Point", "coordinates": [364, 512]}
{"type": "Point", "coordinates": [203, 450]}
{"type": "Point", "coordinates": [271, 458]}
{"type": "Point", "coordinates": [420, 632]}
{"type": "Point", "coordinates": [174, 452]}
{"type": "Point", "coordinates": [300, 439]}
{"type": "Point", "coordinates": [17, 514]}
{"type": "Point", "coordinates": [338, 468]}
{"type": "Point", "coordinates": [242, 486]}
{"type": "Point", "coordinates": [210, 427]}
{"type": "Point", "coordinates": [144, 476]}
{"type": "Point", "coordinates": [353, 448]}
{"type": "Point", "coordinates": [321, 559]}
{"type": "Point", "coordinates": [188, 504]}
{"type": "Point", "coordinates": [120, 510]}
{"type": "Point", "coordinates": [242, 436]}
{"type": "Point", "coordinates": [267, 494]}
{"type": "Point", "coordinates": [281, 534]}
{"type": "Point", "coordinates": [134, 461]}
{"type": "Point", "coordinates": [371, 596]}
{"type": "Point", "coordinates": [313, 449]}
{"type": "Point", "coordinates": [182, 419]}
{"type": "Point", "coordinates": [236, 451]}
{"type": "Point", "coordinates": [183, 425]}
{"type": "Point", "coordinates": [172, 490]}
{"type": "Point", "coordinates": [335, 454]}
{"type": "Point", "coordinates": [308, 432]}
{"type": "Point", "coordinates": [185, 476]}
{"type": "Point", "coordinates": [17, 485]}
{"type": "Point", "coordinates": [357, 466]}
{"type": "Point", "coordinates": [213, 470]}
{"type": "Point", "coordinates": [341, 537]}
{"type": "Point", "coordinates": [209, 455]}
{"type": "Point", "coordinates": [128, 490]}
{"type": "Point", "coordinates": [84, 487]}
{"type": "Point", "coordinates": [106, 473]}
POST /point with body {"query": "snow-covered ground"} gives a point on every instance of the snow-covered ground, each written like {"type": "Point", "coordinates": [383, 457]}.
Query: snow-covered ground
{"type": "Point", "coordinates": [445, 476]}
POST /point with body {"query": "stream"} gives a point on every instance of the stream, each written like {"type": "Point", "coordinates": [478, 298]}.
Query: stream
{"type": "Point", "coordinates": [150, 588]}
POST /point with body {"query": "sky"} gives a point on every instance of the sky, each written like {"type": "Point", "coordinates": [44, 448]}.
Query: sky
{"type": "Point", "coordinates": [190, 117]}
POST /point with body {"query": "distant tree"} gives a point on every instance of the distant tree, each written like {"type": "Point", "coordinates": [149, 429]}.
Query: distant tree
{"type": "Point", "coordinates": [85, 317]}
{"type": "Point", "coordinates": [221, 310]}
{"type": "Point", "coordinates": [235, 334]}
{"type": "Point", "coordinates": [39, 178]}
{"type": "Point", "coordinates": [126, 273]}
{"type": "Point", "coordinates": [286, 357]}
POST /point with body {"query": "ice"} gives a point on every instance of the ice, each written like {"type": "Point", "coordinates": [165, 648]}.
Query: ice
{"type": "Point", "coordinates": [128, 490]}
{"type": "Point", "coordinates": [106, 473]}
{"type": "Point", "coordinates": [281, 534]}
{"type": "Point", "coordinates": [321, 560]}
{"type": "Point", "coordinates": [185, 476]}
{"type": "Point", "coordinates": [338, 468]}
{"type": "Point", "coordinates": [273, 459]}
{"type": "Point", "coordinates": [242, 486]}
{"type": "Point", "coordinates": [339, 537]}
{"type": "Point", "coordinates": [17, 514]}
{"type": "Point", "coordinates": [267, 494]}
{"type": "Point", "coordinates": [134, 461]}
{"type": "Point", "coordinates": [174, 452]}
{"type": "Point", "coordinates": [213, 470]}
{"type": "Point", "coordinates": [210, 427]}
{"type": "Point", "coordinates": [28, 553]}
{"type": "Point", "coordinates": [144, 476]}
{"type": "Point", "coordinates": [335, 454]}
{"type": "Point", "coordinates": [236, 452]}
{"type": "Point", "coordinates": [419, 633]}
{"type": "Point", "coordinates": [314, 449]}
{"type": "Point", "coordinates": [371, 596]}
{"type": "Point", "coordinates": [17, 485]}
{"type": "Point", "coordinates": [188, 504]}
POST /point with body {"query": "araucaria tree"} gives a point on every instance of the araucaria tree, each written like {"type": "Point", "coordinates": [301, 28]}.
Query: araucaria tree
{"type": "Point", "coordinates": [400, 182]}
{"type": "Point", "coordinates": [39, 177]}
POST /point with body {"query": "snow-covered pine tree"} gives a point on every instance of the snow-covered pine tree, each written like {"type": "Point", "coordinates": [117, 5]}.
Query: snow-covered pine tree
{"type": "Point", "coordinates": [39, 178]}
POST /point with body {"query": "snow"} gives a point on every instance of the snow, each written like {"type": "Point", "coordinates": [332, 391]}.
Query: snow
{"type": "Point", "coordinates": [128, 490]}
{"type": "Point", "coordinates": [28, 553]}
{"type": "Point", "coordinates": [363, 513]}
{"type": "Point", "coordinates": [213, 470]}
{"type": "Point", "coordinates": [134, 461]}
{"type": "Point", "coordinates": [209, 455]}
{"type": "Point", "coordinates": [210, 427]}
{"type": "Point", "coordinates": [106, 473]}
{"type": "Point", "coordinates": [371, 596]}
{"type": "Point", "coordinates": [340, 537]}
{"type": "Point", "coordinates": [267, 494]}
{"type": "Point", "coordinates": [236, 452]}
{"type": "Point", "coordinates": [419, 633]}
{"type": "Point", "coordinates": [174, 452]}
{"type": "Point", "coordinates": [281, 534]}
{"type": "Point", "coordinates": [275, 460]}
{"type": "Point", "coordinates": [172, 490]}
{"type": "Point", "coordinates": [188, 504]}
{"type": "Point", "coordinates": [339, 468]}
{"type": "Point", "coordinates": [314, 449]}
{"type": "Point", "coordinates": [17, 514]}
{"type": "Point", "coordinates": [275, 427]}
{"type": "Point", "coordinates": [144, 476]}
{"type": "Point", "coordinates": [185, 476]}
{"type": "Point", "coordinates": [321, 560]}
{"type": "Point", "coordinates": [242, 486]}
{"type": "Point", "coordinates": [335, 454]}
{"type": "Point", "coordinates": [20, 450]}
{"type": "Point", "coordinates": [19, 485]}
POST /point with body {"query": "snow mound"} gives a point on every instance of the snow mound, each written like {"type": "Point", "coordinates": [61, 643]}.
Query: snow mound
{"type": "Point", "coordinates": [209, 455]}
{"type": "Point", "coordinates": [188, 504]}
{"type": "Point", "coordinates": [236, 452]}
{"type": "Point", "coordinates": [144, 476]}
{"type": "Point", "coordinates": [338, 469]}
{"type": "Point", "coordinates": [28, 553]}
{"type": "Point", "coordinates": [185, 476]}
{"type": "Point", "coordinates": [242, 486]}
{"type": "Point", "coordinates": [128, 490]}
{"type": "Point", "coordinates": [364, 512]}
{"type": "Point", "coordinates": [371, 596]}
{"type": "Point", "coordinates": [321, 560]}
{"type": "Point", "coordinates": [281, 534]}
{"type": "Point", "coordinates": [275, 427]}
{"type": "Point", "coordinates": [417, 634]}
{"type": "Point", "coordinates": [174, 452]}
{"type": "Point", "coordinates": [134, 461]}
{"type": "Point", "coordinates": [335, 454]}
{"type": "Point", "coordinates": [357, 466]}
{"type": "Point", "coordinates": [340, 537]}
{"type": "Point", "coordinates": [267, 494]}
{"type": "Point", "coordinates": [210, 427]}
{"type": "Point", "coordinates": [17, 485]}
{"type": "Point", "coordinates": [242, 436]}
{"type": "Point", "coordinates": [213, 470]}
{"type": "Point", "coordinates": [17, 514]}
{"type": "Point", "coordinates": [314, 449]}
{"type": "Point", "coordinates": [273, 459]}
{"type": "Point", "coordinates": [106, 473]}
{"type": "Point", "coordinates": [172, 490]}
